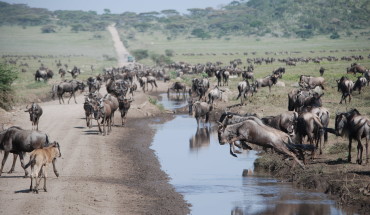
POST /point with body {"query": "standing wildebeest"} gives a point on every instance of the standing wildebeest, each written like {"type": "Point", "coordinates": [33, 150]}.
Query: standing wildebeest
{"type": "Point", "coordinates": [93, 84]}
{"type": "Point", "coordinates": [345, 86]}
{"type": "Point", "coordinates": [254, 131]}
{"type": "Point", "coordinates": [177, 86]}
{"type": "Point", "coordinates": [69, 87]}
{"type": "Point", "coordinates": [44, 74]}
{"type": "Point", "coordinates": [62, 73]}
{"type": "Point", "coordinates": [74, 72]}
{"type": "Point", "coordinates": [359, 84]}
{"type": "Point", "coordinates": [113, 102]}
{"type": "Point", "coordinates": [214, 94]}
{"type": "Point", "coordinates": [124, 106]}
{"type": "Point", "coordinates": [283, 122]}
{"type": "Point", "coordinates": [267, 81]}
{"type": "Point", "coordinates": [310, 82]}
{"type": "Point", "coordinates": [279, 72]}
{"type": "Point", "coordinates": [200, 86]}
{"type": "Point", "coordinates": [321, 71]}
{"type": "Point", "coordinates": [39, 161]}
{"type": "Point", "coordinates": [354, 126]}
{"type": "Point", "coordinates": [225, 77]}
{"type": "Point", "coordinates": [308, 124]}
{"type": "Point", "coordinates": [201, 110]}
{"type": "Point", "coordinates": [35, 112]}
{"type": "Point", "coordinates": [89, 110]}
{"type": "Point", "coordinates": [245, 90]}
{"type": "Point", "coordinates": [103, 111]}
{"type": "Point", "coordinates": [18, 142]}
{"type": "Point", "coordinates": [324, 116]}
{"type": "Point", "coordinates": [356, 68]}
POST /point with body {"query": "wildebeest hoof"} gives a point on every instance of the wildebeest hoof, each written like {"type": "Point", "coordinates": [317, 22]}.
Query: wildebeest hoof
{"type": "Point", "coordinates": [57, 174]}
{"type": "Point", "coordinates": [46, 190]}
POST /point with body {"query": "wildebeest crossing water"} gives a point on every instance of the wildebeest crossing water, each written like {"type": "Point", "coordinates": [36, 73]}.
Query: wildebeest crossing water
{"type": "Point", "coordinates": [211, 180]}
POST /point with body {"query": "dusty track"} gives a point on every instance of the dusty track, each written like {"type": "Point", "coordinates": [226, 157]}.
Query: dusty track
{"type": "Point", "coordinates": [114, 174]}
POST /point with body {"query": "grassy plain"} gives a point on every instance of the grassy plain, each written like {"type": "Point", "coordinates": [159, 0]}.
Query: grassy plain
{"type": "Point", "coordinates": [30, 46]}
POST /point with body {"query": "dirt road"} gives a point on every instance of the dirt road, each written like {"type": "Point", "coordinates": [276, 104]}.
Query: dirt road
{"type": "Point", "coordinates": [114, 174]}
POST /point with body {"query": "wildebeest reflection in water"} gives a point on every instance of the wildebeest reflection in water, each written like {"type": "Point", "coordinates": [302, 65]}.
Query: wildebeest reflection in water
{"type": "Point", "coordinates": [200, 139]}
{"type": "Point", "coordinates": [287, 208]}
{"type": "Point", "coordinates": [178, 97]}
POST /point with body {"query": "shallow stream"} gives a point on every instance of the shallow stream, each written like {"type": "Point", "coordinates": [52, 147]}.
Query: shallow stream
{"type": "Point", "coordinates": [211, 179]}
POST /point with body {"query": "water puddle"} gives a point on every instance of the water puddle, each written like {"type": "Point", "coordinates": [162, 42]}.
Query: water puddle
{"type": "Point", "coordinates": [211, 179]}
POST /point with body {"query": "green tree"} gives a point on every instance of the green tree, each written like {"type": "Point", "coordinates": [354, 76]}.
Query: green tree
{"type": "Point", "coordinates": [7, 77]}
{"type": "Point", "coordinates": [140, 54]}
{"type": "Point", "coordinates": [198, 32]}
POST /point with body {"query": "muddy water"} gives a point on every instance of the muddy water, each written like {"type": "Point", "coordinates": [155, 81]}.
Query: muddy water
{"type": "Point", "coordinates": [211, 179]}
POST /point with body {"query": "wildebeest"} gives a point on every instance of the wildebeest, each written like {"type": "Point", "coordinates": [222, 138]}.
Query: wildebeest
{"type": "Point", "coordinates": [103, 111]}
{"type": "Point", "coordinates": [324, 115]}
{"type": "Point", "coordinates": [93, 84]}
{"type": "Point", "coordinates": [35, 112]}
{"type": "Point", "coordinates": [308, 124]}
{"type": "Point", "coordinates": [39, 161]}
{"type": "Point", "coordinates": [200, 87]}
{"type": "Point", "coordinates": [245, 90]}
{"type": "Point", "coordinates": [201, 111]}
{"type": "Point", "coordinates": [298, 99]}
{"type": "Point", "coordinates": [62, 73]}
{"type": "Point", "coordinates": [345, 85]}
{"type": "Point", "coordinates": [225, 78]}
{"type": "Point", "coordinates": [89, 110]}
{"type": "Point", "coordinates": [311, 82]}
{"type": "Point", "coordinates": [19, 141]}
{"type": "Point", "coordinates": [321, 71]}
{"type": "Point", "coordinates": [359, 84]}
{"type": "Point", "coordinates": [114, 105]}
{"type": "Point", "coordinates": [267, 81]}
{"type": "Point", "coordinates": [254, 131]}
{"type": "Point", "coordinates": [124, 106]}
{"type": "Point", "coordinates": [214, 94]}
{"type": "Point", "coordinates": [356, 68]}
{"type": "Point", "coordinates": [75, 72]}
{"type": "Point", "coordinates": [177, 86]}
{"type": "Point", "coordinates": [353, 125]}
{"type": "Point", "coordinates": [279, 72]}
{"type": "Point", "coordinates": [284, 122]}
{"type": "Point", "coordinates": [69, 87]}
{"type": "Point", "coordinates": [44, 74]}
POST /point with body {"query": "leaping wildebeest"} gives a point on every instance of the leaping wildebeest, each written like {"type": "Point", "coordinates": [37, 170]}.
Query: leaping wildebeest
{"type": "Point", "coordinates": [254, 131]}
{"type": "Point", "coordinates": [35, 112]}
{"type": "Point", "coordinates": [19, 141]}
{"type": "Point", "coordinates": [354, 126]}
{"type": "Point", "coordinates": [69, 87]}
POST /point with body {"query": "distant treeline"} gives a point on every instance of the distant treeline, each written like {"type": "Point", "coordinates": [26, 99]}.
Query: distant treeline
{"type": "Point", "coordinates": [278, 18]}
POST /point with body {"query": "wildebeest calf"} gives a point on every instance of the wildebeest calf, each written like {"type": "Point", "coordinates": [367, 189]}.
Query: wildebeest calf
{"type": "Point", "coordinates": [39, 160]}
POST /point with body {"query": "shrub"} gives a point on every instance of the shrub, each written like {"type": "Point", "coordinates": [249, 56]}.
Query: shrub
{"type": "Point", "coordinates": [7, 77]}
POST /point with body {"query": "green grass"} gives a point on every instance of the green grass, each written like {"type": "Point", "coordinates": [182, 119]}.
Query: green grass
{"type": "Point", "coordinates": [29, 45]}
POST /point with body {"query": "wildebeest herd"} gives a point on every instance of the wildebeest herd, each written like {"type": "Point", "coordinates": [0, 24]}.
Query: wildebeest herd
{"type": "Point", "coordinates": [284, 133]}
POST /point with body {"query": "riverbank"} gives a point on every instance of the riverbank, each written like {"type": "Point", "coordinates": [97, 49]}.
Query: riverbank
{"type": "Point", "coordinates": [347, 183]}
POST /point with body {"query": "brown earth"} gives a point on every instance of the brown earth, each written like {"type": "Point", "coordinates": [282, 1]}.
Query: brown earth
{"type": "Point", "coordinates": [114, 174]}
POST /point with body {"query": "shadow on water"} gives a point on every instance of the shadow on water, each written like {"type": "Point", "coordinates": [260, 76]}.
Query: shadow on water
{"type": "Point", "coordinates": [211, 179]}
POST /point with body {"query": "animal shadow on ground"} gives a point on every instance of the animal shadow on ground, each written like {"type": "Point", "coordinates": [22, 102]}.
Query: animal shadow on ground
{"type": "Point", "coordinates": [362, 172]}
{"type": "Point", "coordinates": [12, 176]}
{"type": "Point", "coordinates": [336, 162]}
{"type": "Point", "coordinates": [92, 132]}
{"type": "Point", "coordinates": [79, 127]}
{"type": "Point", "coordinates": [22, 191]}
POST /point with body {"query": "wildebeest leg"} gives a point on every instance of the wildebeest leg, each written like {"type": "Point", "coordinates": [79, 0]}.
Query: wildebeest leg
{"type": "Point", "coordinates": [349, 149]}
{"type": "Point", "coordinates": [99, 126]}
{"type": "Point", "coordinates": [44, 174]}
{"type": "Point", "coordinates": [38, 180]}
{"type": "Point", "coordinates": [367, 152]}
{"type": "Point", "coordinates": [3, 162]}
{"type": "Point", "coordinates": [15, 156]}
{"type": "Point", "coordinates": [359, 151]}
{"type": "Point", "coordinates": [54, 168]}
{"type": "Point", "coordinates": [22, 163]}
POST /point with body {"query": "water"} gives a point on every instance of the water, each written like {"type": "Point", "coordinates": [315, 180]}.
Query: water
{"type": "Point", "coordinates": [211, 179]}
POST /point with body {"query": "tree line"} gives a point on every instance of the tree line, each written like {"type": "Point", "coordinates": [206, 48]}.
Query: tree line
{"type": "Point", "coordinates": [278, 18]}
